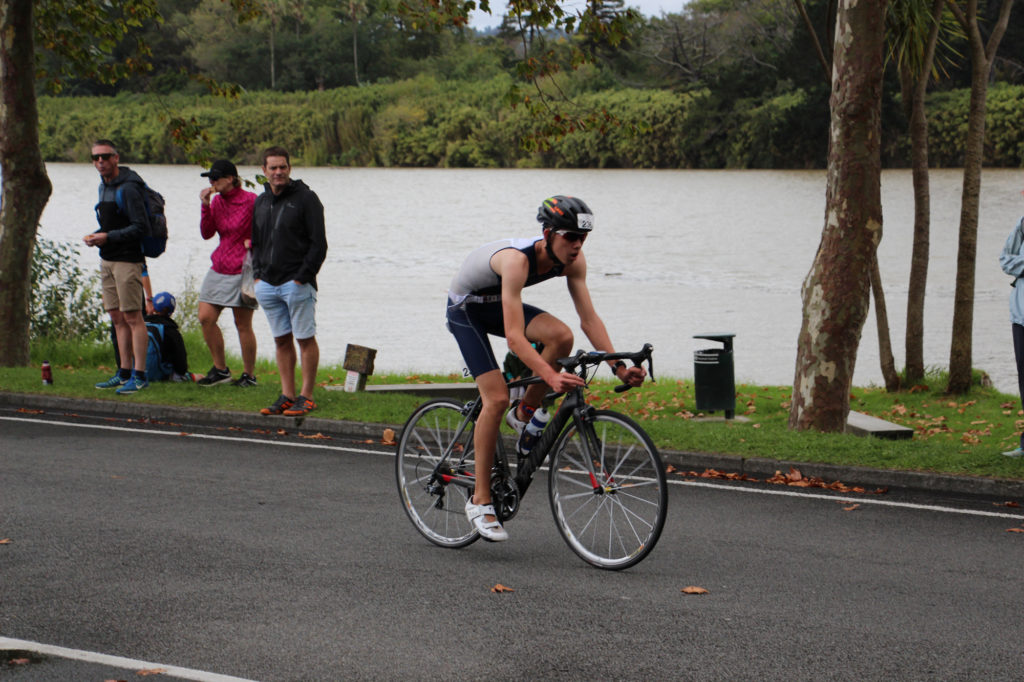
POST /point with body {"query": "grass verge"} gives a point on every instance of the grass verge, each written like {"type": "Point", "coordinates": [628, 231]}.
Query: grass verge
{"type": "Point", "coordinates": [952, 434]}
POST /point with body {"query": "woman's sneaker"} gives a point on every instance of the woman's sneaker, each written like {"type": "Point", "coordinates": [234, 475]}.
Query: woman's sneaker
{"type": "Point", "coordinates": [215, 376]}
{"type": "Point", "coordinates": [282, 404]}
{"type": "Point", "coordinates": [244, 381]}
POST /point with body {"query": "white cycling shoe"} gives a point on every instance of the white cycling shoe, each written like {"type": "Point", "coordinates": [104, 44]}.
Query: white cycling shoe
{"type": "Point", "coordinates": [489, 530]}
{"type": "Point", "coordinates": [513, 421]}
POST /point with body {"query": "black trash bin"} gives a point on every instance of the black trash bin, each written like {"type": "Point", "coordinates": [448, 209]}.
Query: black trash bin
{"type": "Point", "coordinates": [713, 376]}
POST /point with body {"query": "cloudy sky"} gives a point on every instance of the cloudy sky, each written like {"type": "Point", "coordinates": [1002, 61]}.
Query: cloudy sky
{"type": "Point", "coordinates": [648, 8]}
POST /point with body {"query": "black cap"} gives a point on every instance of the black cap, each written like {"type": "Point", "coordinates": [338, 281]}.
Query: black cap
{"type": "Point", "coordinates": [220, 168]}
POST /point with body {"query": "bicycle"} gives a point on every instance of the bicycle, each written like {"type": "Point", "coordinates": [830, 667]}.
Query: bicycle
{"type": "Point", "coordinates": [606, 483]}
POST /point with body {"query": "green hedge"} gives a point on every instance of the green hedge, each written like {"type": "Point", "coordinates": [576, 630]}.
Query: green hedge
{"type": "Point", "coordinates": [426, 122]}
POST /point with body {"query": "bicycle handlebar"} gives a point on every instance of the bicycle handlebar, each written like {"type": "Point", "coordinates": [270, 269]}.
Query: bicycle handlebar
{"type": "Point", "coordinates": [583, 359]}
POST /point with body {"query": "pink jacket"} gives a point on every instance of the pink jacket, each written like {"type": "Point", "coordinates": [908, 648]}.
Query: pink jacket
{"type": "Point", "coordinates": [230, 216]}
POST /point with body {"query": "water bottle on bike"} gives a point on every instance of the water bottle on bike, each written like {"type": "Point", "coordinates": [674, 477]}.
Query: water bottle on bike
{"type": "Point", "coordinates": [532, 431]}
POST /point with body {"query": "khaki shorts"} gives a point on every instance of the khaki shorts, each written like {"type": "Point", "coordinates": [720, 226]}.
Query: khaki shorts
{"type": "Point", "coordinates": [122, 286]}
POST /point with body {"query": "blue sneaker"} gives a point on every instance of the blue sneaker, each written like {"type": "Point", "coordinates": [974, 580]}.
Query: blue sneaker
{"type": "Point", "coordinates": [1014, 453]}
{"type": "Point", "coordinates": [113, 382]}
{"type": "Point", "coordinates": [133, 385]}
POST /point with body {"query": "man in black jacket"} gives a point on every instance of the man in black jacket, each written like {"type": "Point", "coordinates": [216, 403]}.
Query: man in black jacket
{"type": "Point", "coordinates": [289, 244]}
{"type": "Point", "coordinates": [121, 213]}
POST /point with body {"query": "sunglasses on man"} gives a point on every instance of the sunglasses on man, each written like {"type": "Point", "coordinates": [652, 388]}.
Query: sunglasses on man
{"type": "Point", "coordinates": [572, 237]}
{"type": "Point", "coordinates": [105, 156]}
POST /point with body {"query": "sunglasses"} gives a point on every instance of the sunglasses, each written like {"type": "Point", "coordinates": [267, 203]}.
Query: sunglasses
{"type": "Point", "coordinates": [214, 177]}
{"type": "Point", "coordinates": [104, 157]}
{"type": "Point", "coordinates": [572, 237]}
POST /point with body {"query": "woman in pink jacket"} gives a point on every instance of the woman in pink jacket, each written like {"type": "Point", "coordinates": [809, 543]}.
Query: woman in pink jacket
{"type": "Point", "coordinates": [226, 211]}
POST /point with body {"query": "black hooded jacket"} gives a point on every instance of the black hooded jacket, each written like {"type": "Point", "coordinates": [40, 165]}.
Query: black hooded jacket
{"type": "Point", "coordinates": [289, 240]}
{"type": "Point", "coordinates": [126, 228]}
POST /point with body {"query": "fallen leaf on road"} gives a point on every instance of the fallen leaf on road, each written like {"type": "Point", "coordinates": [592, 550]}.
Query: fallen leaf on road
{"type": "Point", "coordinates": [1005, 504]}
{"type": "Point", "coordinates": [5, 541]}
{"type": "Point", "coordinates": [25, 410]}
{"type": "Point", "coordinates": [315, 436]}
{"type": "Point", "coordinates": [501, 588]}
{"type": "Point", "coordinates": [151, 671]}
{"type": "Point", "coordinates": [851, 507]}
{"type": "Point", "coordinates": [389, 437]}
{"type": "Point", "coordinates": [693, 590]}
{"type": "Point", "coordinates": [19, 661]}
{"type": "Point", "coordinates": [1015, 530]}
{"type": "Point", "coordinates": [282, 432]}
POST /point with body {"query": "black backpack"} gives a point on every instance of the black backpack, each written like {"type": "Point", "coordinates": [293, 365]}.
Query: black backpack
{"type": "Point", "coordinates": [154, 242]}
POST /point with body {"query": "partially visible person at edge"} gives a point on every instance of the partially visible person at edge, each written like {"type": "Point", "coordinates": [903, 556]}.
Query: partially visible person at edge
{"type": "Point", "coordinates": [289, 244]}
{"type": "Point", "coordinates": [119, 239]}
{"type": "Point", "coordinates": [226, 210]}
{"type": "Point", "coordinates": [172, 346]}
{"type": "Point", "coordinates": [485, 297]}
{"type": "Point", "coordinates": [1012, 262]}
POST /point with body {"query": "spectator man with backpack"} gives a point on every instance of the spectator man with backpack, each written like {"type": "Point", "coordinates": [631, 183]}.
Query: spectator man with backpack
{"type": "Point", "coordinates": [123, 222]}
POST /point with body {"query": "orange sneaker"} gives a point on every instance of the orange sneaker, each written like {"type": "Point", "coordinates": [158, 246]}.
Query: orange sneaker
{"type": "Point", "coordinates": [301, 407]}
{"type": "Point", "coordinates": [282, 404]}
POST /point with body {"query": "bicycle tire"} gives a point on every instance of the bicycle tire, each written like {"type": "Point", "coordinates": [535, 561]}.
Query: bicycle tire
{"type": "Point", "coordinates": [615, 521]}
{"type": "Point", "coordinates": [437, 508]}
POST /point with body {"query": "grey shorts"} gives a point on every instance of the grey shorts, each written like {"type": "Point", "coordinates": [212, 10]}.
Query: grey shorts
{"type": "Point", "coordinates": [222, 290]}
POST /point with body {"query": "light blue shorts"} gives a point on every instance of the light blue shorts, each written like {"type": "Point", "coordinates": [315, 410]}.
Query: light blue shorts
{"type": "Point", "coordinates": [290, 308]}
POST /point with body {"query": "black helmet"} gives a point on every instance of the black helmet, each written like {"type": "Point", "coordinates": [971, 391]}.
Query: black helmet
{"type": "Point", "coordinates": [565, 213]}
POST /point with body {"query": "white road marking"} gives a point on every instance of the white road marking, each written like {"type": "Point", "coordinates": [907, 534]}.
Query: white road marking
{"type": "Point", "coordinates": [8, 643]}
{"type": "Point", "coordinates": [866, 500]}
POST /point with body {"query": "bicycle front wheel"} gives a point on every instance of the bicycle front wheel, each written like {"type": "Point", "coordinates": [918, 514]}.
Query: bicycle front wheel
{"type": "Point", "coordinates": [608, 490]}
{"type": "Point", "coordinates": [432, 467]}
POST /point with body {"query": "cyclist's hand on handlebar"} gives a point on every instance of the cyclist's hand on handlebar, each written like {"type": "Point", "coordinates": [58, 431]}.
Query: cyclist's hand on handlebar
{"type": "Point", "coordinates": [563, 382]}
{"type": "Point", "coordinates": [633, 376]}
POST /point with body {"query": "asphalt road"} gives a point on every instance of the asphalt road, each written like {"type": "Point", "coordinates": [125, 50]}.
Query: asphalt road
{"type": "Point", "coordinates": [235, 554]}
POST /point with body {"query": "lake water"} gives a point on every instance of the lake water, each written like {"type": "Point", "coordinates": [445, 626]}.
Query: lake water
{"type": "Point", "coordinates": [674, 254]}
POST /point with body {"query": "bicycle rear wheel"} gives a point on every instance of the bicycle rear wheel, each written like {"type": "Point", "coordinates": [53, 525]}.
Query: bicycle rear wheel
{"type": "Point", "coordinates": [434, 502]}
{"type": "Point", "coordinates": [609, 495]}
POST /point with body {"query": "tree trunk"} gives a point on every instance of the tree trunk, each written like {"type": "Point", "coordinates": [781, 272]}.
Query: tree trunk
{"type": "Point", "coordinates": [885, 357]}
{"type": "Point", "coordinates": [915, 87]}
{"type": "Point", "coordinates": [982, 56]}
{"type": "Point", "coordinates": [355, 40]}
{"type": "Point", "coordinates": [836, 291]}
{"type": "Point", "coordinates": [26, 188]}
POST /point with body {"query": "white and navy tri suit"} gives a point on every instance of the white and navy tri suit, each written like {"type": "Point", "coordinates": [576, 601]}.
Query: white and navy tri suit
{"type": "Point", "coordinates": [474, 301]}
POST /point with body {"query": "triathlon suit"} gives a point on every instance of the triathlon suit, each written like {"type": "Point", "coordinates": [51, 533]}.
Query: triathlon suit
{"type": "Point", "coordinates": [474, 301]}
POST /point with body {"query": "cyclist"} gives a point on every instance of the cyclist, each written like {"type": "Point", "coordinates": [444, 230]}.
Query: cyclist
{"type": "Point", "coordinates": [485, 297]}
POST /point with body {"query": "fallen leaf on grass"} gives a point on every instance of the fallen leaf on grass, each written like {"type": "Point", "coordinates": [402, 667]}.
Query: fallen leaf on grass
{"type": "Point", "coordinates": [693, 590]}
{"type": "Point", "coordinates": [501, 588]}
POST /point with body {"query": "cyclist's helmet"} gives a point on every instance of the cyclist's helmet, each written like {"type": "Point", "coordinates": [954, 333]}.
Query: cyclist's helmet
{"type": "Point", "coordinates": [565, 213]}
